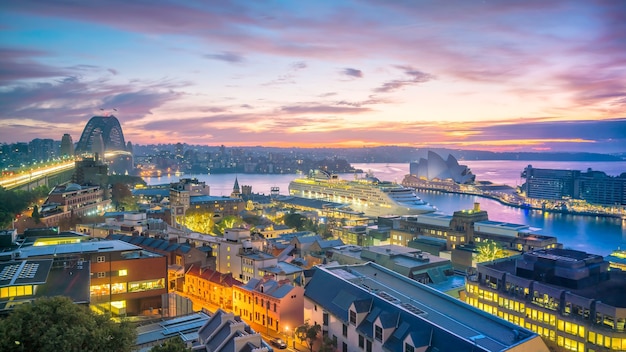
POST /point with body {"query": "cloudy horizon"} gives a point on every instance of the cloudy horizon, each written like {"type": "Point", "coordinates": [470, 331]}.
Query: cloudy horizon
{"type": "Point", "coordinates": [488, 75]}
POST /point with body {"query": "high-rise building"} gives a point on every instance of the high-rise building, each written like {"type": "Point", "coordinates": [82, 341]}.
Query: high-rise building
{"type": "Point", "coordinates": [67, 145]}
{"type": "Point", "coordinates": [568, 297]}
{"type": "Point", "coordinates": [41, 149]}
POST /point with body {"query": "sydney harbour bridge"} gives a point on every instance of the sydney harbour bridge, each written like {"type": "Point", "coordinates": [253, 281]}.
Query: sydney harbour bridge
{"type": "Point", "coordinates": [101, 137]}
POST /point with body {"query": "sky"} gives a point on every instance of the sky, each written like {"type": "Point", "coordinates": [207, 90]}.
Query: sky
{"type": "Point", "coordinates": [529, 75]}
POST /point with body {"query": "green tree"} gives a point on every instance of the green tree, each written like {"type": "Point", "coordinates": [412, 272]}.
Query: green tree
{"type": "Point", "coordinates": [228, 222]}
{"type": "Point", "coordinates": [308, 333]}
{"type": "Point", "coordinates": [171, 345]}
{"type": "Point", "coordinates": [12, 203]}
{"type": "Point", "coordinates": [295, 220]}
{"type": "Point", "coordinates": [35, 215]}
{"type": "Point", "coordinates": [489, 250]}
{"type": "Point", "coordinates": [122, 197]}
{"type": "Point", "coordinates": [57, 324]}
{"type": "Point", "coordinates": [199, 220]}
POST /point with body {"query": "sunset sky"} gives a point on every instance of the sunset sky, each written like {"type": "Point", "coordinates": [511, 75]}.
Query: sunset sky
{"type": "Point", "coordinates": [491, 75]}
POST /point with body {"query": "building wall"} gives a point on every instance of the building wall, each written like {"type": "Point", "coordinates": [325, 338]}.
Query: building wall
{"type": "Point", "coordinates": [257, 307]}
{"type": "Point", "coordinates": [138, 283]}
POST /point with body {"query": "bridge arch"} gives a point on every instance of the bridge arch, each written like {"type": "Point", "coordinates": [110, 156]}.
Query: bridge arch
{"type": "Point", "coordinates": [110, 129]}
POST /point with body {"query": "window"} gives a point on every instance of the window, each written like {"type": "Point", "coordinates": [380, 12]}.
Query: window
{"type": "Point", "coordinates": [408, 348]}
{"type": "Point", "coordinates": [378, 333]}
{"type": "Point", "coordinates": [325, 319]}
{"type": "Point", "coordinates": [344, 347]}
{"type": "Point", "coordinates": [352, 317]}
{"type": "Point", "coordinates": [146, 285]}
{"type": "Point", "coordinates": [361, 341]}
{"type": "Point", "coordinates": [101, 274]}
{"type": "Point", "coordinates": [100, 259]}
{"type": "Point", "coordinates": [369, 346]}
{"type": "Point", "coordinates": [345, 330]}
{"type": "Point", "coordinates": [123, 272]}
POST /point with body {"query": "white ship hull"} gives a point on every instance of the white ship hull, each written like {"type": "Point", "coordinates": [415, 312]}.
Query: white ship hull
{"type": "Point", "coordinates": [369, 196]}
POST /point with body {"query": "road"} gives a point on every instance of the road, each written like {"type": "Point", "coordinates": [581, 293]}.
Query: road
{"type": "Point", "coordinates": [14, 181]}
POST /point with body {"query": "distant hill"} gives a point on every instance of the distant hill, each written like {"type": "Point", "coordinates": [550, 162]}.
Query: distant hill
{"type": "Point", "coordinates": [393, 154]}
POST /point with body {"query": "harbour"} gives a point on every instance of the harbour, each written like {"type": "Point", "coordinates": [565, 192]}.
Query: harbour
{"type": "Point", "coordinates": [595, 234]}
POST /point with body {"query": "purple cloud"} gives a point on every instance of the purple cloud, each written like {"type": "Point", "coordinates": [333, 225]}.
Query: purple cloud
{"type": "Point", "coordinates": [414, 77]}
{"type": "Point", "coordinates": [226, 56]}
{"type": "Point", "coordinates": [352, 72]}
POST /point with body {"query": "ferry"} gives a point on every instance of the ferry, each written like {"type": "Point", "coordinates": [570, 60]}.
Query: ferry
{"type": "Point", "coordinates": [368, 195]}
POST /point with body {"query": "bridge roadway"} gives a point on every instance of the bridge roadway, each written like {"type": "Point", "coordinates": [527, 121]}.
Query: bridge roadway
{"type": "Point", "coordinates": [37, 176]}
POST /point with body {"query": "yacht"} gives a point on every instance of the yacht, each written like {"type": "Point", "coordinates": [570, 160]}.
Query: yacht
{"type": "Point", "coordinates": [368, 195]}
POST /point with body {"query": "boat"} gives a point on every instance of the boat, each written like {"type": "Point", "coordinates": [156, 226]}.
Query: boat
{"type": "Point", "coordinates": [368, 194]}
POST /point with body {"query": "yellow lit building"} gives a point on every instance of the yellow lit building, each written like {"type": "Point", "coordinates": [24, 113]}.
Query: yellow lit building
{"type": "Point", "coordinates": [568, 297]}
{"type": "Point", "coordinates": [211, 286]}
{"type": "Point", "coordinates": [276, 305]}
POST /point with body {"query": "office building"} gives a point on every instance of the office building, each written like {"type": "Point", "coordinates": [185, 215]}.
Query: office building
{"type": "Point", "coordinates": [125, 279]}
{"type": "Point", "coordinates": [595, 187]}
{"type": "Point", "coordinates": [568, 297]}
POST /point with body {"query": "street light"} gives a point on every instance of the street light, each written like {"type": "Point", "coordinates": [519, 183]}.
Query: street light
{"type": "Point", "coordinates": [287, 335]}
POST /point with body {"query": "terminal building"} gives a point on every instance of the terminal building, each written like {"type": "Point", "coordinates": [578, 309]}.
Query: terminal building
{"type": "Point", "coordinates": [370, 308]}
{"type": "Point", "coordinates": [467, 227]}
{"type": "Point", "coordinates": [568, 297]}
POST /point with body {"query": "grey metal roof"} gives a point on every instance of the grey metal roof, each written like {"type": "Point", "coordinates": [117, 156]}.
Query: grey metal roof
{"type": "Point", "coordinates": [172, 327]}
{"type": "Point", "coordinates": [454, 325]}
{"type": "Point", "coordinates": [82, 247]}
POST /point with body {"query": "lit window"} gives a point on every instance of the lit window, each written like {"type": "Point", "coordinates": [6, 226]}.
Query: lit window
{"type": "Point", "coordinates": [123, 272]}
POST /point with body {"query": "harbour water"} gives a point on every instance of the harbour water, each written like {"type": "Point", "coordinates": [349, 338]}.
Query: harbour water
{"type": "Point", "coordinates": [597, 235]}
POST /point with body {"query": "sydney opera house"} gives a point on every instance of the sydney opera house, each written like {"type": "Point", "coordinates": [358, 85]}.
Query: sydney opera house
{"type": "Point", "coordinates": [435, 168]}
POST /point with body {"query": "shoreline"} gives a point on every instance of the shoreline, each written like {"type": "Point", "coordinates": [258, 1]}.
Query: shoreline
{"type": "Point", "coordinates": [515, 204]}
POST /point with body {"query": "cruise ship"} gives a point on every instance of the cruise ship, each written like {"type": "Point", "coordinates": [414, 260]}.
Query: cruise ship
{"type": "Point", "coordinates": [368, 195]}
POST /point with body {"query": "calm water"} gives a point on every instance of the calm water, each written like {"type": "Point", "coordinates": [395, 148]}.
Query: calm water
{"type": "Point", "coordinates": [592, 234]}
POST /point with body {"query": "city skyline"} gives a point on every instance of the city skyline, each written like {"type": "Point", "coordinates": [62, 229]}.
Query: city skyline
{"type": "Point", "coordinates": [499, 76]}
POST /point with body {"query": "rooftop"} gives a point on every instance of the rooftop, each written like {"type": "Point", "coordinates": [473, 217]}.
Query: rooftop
{"type": "Point", "coordinates": [82, 247]}
{"type": "Point", "coordinates": [417, 303]}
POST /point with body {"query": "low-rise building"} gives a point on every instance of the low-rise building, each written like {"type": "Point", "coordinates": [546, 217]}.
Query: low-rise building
{"type": "Point", "coordinates": [226, 332]}
{"type": "Point", "coordinates": [125, 279]}
{"type": "Point", "coordinates": [275, 305]}
{"type": "Point", "coordinates": [72, 199]}
{"type": "Point", "coordinates": [370, 308]}
{"type": "Point", "coordinates": [211, 286]}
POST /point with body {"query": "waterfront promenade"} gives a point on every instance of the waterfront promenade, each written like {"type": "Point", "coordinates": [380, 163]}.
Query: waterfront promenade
{"type": "Point", "coordinates": [508, 195]}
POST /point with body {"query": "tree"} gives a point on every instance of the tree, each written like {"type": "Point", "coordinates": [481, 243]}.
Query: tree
{"type": "Point", "coordinates": [308, 333]}
{"type": "Point", "coordinates": [328, 345]}
{"type": "Point", "coordinates": [295, 220]}
{"type": "Point", "coordinates": [171, 345]}
{"type": "Point", "coordinates": [57, 324]}
{"type": "Point", "coordinates": [489, 250]}
{"type": "Point", "coordinates": [228, 222]}
{"type": "Point", "coordinates": [35, 215]}
{"type": "Point", "coordinates": [122, 197]}
{"type": "Point", "coordinates": [199, 220]}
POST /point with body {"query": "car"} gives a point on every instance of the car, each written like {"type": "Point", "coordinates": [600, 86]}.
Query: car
{"type": "Point", "coordinates": [278, 342]}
